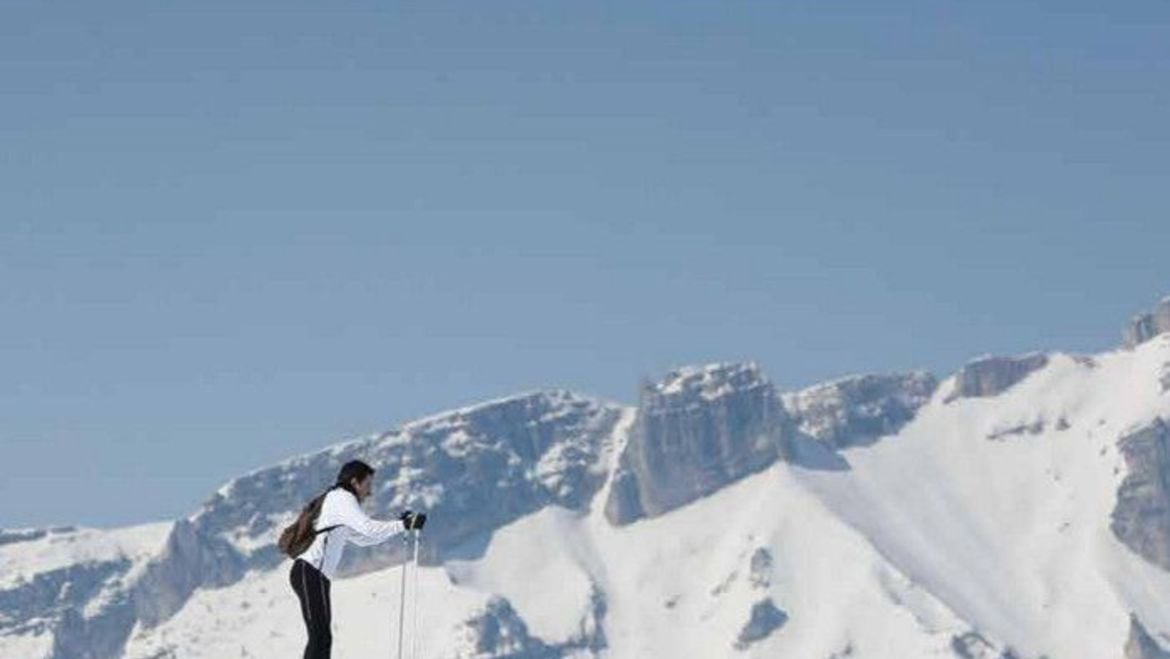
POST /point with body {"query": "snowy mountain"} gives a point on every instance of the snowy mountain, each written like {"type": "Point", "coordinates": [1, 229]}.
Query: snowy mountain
{"type": "Point", "coordinates": [1019, 508]}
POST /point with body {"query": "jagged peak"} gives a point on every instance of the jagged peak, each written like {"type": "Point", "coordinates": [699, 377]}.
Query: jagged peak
{"type": "Point", "coordinates": [858, 409]}
{"type": "Point", "coordinates": [1147, 324]}
{"type": "Point", "coordinates": [860, 380]}
{"type": "Point", "coordinates": [989, 375]}
{"type": "Point", "coordinates": [453, 418]}
{"type": "Point", "coordinates": [547, 397]}
{"type": "Point", "coordinates": [992, 357]}
{"type": "Point", "coordinates": [710, 381]}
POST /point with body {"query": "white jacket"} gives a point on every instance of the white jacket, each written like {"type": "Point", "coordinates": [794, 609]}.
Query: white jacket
{"type": "Point", "coordinates": [341, 507]}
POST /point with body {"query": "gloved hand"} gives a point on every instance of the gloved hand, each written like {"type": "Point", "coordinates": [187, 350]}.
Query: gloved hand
{"type": "Point", "coordinates": [412, 520]}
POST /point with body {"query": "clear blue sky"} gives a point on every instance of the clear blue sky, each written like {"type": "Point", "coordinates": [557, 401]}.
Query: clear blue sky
{"type": "Point", "coordinates": [233, 232]}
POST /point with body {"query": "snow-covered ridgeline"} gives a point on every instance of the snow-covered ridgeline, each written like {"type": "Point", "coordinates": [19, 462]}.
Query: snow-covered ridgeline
{"type": "Point", "coordinates": [1015, 509]}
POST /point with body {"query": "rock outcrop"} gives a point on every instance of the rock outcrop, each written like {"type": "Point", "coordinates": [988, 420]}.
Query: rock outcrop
{"type": "Point", "coordinates": [1146, 326]}
{"type": "Point", "coordinates": [695, 432]}
{"type": "Point", "coordinates": [765, 618]}
{"type": "Point", "coordinates": [499, 631]}
{"type": "Point", "coordinates": [760, 569]}
{"type": "Point", "coordinates": [51, 601]}
{"type": "Point", "coordinates": [972, 645]}
{"type": "Point", "coordinates": [1141, 516]}
{"type": "Point", "coordinates": [857, 410]}
{"type": "Point", "coordinates": [991, 376]}
{"type": "Point", "coordinates": [193, 557]}
{"type": "Point", "coordinates": [1140, 645]}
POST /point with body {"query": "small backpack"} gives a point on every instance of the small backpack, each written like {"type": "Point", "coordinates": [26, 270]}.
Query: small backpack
{"type": "Point", "coordinates": [296, 538]}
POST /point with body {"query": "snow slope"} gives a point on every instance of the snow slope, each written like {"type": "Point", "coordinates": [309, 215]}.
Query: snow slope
{"type": "Point", "coordinates": [1013, 532]}
{"type": "Point", "coordinates": [675, 586]}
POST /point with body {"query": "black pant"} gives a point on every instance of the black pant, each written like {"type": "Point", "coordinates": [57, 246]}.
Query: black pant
{"type": "Point", "coordinates": [312, 589]}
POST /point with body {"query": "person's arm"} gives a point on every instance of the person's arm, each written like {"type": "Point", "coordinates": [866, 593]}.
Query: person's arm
{"type": "Point", "coordinates": [365, 530]}
{"type": "Point", "coordinates": [361, 540]}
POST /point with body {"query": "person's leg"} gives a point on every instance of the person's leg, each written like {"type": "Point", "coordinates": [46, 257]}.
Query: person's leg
{"type": "Point", "coordinates": [297, 579]}
{"type": "Point", "coordinates": [312, 589]}
{"type": "Point", "coordinates": [326, 631]}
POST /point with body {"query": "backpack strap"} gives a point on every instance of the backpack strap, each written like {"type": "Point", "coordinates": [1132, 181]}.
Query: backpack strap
{"type": "Point", "coordinates": [325, 547]}
{"type": "Point", "coordinates": [325, 530]}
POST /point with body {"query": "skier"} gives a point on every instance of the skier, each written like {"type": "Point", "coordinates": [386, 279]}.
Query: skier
{"type": "Point", "coordinates": [325, 525]}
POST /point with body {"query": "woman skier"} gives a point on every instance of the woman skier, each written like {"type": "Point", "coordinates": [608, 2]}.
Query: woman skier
{"type": "Point", "coordinates": [330, 521]}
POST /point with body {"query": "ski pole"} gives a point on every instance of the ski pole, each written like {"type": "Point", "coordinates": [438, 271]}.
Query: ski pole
{"type": "Point", "coordinates": [415, 605]}
{"type": "Point", "coordinates": [402, 598]}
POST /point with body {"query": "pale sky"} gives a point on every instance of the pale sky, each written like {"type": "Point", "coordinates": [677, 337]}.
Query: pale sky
{"type": "Point", "coordinates": [233, 234]}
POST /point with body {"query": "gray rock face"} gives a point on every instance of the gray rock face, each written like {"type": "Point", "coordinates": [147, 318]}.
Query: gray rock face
{"type": "Point", "coordinates": [500, 632]}
{"type": "Point", "coordinates": [1141, 517]}
{"type": "Point", "coordinates": [1032, 428]}
{"type": "Point", "coordinates": [52, 600]}
{"type": "Point", "coordinates": [98, 636]}
{"type": "Point", "coordinates": [760, 568]}
{"type": "Point", "coordinates": [23, 535]}
{"type": "Point", "coordinates": [1146, 326]}
{"type": "Point", "coordinates": [972, 645]}
{"type": "Point", "coordinates": [472, 470]}
{"type": "Point", "coordinates": [1140, 645]}
{"type": "Point", "coordinates": [858, 410]}
{"type": "Point", "coordinates": [193, 557]}
{"type": "Point", "coordinates": [991, 376]}
{"type": "Point", "coordinates": [695, 432]}
{"type": "Point", "coordinates": [764, 619]}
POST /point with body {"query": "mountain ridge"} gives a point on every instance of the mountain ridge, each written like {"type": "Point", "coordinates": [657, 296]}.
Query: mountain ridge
{"type": "Point", "coordinates": [695, 435]}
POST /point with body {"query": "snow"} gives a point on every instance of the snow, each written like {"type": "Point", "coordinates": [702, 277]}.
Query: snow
{"type": "Point", "coordinates": [521, 563]}
{"type": "Point", "coordinates": [31, 646]}
{"type": "Point", "coordinates": [679, 586]}
{"type": "Point", "coordinates": [260, 617]}
{"type": "Point", "coordinates": [61, 549]}
{"type": "Point", "coordinates": [1013, 535]}
{"type": "Point", "coordinates": [243, 539]}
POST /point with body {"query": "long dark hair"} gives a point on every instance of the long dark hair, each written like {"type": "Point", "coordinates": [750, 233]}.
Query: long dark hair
{"type": "Point", "coordinates": [351, 470]}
